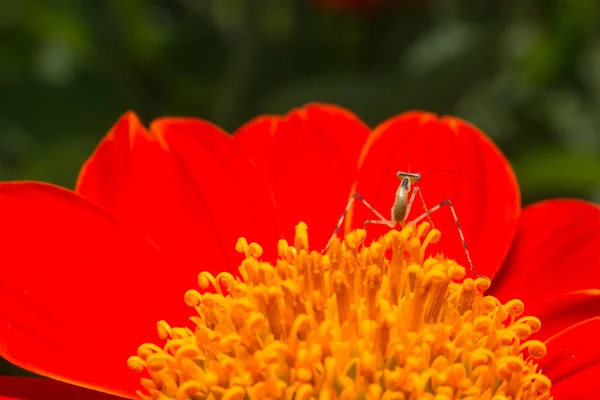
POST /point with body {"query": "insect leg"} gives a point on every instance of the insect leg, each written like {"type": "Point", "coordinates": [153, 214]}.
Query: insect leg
{"type": "Point", "coordinates": [416, 190]}
{"type": "Point", "coordinates": [379, 222]}
{"type": "Point", "coordinates": [357, 196]}
{"type": "Point", "coordinates": [460, 232]}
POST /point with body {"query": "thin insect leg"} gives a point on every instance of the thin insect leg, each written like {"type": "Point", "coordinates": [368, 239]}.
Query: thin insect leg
{"type": "Point", "coordinates": [416, 190]}
{"type": "Point", "coordinates": [339, 225]}
{"type": "Point", "coordinates": [379, 222]}
{"type": "Point", "coordinates": [462, 236]}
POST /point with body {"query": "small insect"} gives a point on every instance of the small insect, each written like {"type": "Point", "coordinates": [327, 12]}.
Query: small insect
{"type": "Point", "coordinates": [401, 209]}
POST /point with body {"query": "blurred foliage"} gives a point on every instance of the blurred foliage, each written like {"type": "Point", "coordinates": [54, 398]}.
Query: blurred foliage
{"type": "Point", "coordinates": [525, 71]}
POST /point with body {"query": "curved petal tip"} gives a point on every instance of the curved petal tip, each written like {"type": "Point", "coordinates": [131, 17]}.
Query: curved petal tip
{"type": "Point", "coordinates": [457, 162]}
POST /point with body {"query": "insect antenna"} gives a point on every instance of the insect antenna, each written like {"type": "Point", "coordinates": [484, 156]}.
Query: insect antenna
{"type": "Point", "coordinates": [449, 171]}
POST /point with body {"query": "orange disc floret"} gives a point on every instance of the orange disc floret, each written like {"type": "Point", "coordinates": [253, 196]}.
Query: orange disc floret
{"type": "Point", "coordinates": [350, 324]}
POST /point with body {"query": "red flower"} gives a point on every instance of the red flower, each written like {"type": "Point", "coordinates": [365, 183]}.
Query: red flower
{"type": "Point", "coordinates": [87, 274]}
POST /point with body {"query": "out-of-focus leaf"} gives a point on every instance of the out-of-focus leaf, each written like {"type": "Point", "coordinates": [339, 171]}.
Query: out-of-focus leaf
{"type": "Point", "coordinates": [57, 163]}
{"type": "Point", "coordinates": [559, 40]}
{"type": "Point", "coordinates": [589, 70]}
{"type": "Point", "coordinates": [378, 96]}
{"type": "Point", "coordinates": [527, 73]}
{"type": "Point", "coordinates": [228, 15]}
{"type": "Point", "coordinates": [554, 170]}
{"type": "Point", "coordinates": [146, 30]}
{"type": "Point", "coordinates": [575, 121]}
{"type": "Point", "coordinates": [58, 20]}
{"type": "Point", "coordinates": [277, 20]}
{"type": "Point", "coordinates": [55, 62]}
{"type": "Point", "coordinates": [442, 44]}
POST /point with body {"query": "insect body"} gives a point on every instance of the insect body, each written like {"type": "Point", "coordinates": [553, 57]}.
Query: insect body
{"type": "Point", "coordinates": [401, 209]}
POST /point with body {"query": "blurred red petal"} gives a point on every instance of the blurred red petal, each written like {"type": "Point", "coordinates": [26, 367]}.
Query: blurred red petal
{"type": "Point", "coordinates": [552, 266]}
{"type": "Point", "coordinates": [114, 158]}
{"type": "Point", "coordinates": [309, 158]}
{"type": "Point", "coordinates": [457, 162]}
{"type": "Point", "coordinates": [257, 139]}
{"type": "Point", "coordinates": [573, 354]}
{"type": "Point", "coordinates": [235, 198]}
{"type": "Point", "coordinates": [79, 291]}
{"type": "Point", "coordinates": [186, 185]}
{"type": "Point", "coordinates": [561, 311]}
{"type": "Point", "coordinates": [19, 388]}
{"type": "Point", "coordinates": [582, 386]}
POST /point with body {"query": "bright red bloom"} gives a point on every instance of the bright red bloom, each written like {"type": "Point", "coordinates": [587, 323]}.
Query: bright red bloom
{"type": "Point", "coordinates": [89, 273]}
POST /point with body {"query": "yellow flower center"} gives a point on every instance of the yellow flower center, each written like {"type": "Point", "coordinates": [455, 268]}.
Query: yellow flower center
{"type": "Point", "coordinates": [352, 324]}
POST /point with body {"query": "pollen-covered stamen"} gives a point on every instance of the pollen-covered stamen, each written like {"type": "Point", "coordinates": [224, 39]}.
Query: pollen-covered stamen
{"type": "Point", "coordinates": [351, 324]}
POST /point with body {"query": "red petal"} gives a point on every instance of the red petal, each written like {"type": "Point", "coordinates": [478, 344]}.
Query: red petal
{"type": "Point", "coordinates": [236, 199]}
{"type": "Point", "coordinates": [572, 355]}
{"type": "Point", "coordinates": [444, 150]}
{"type": "Point", "coordinates": [19, 388]}
{"type": "Point", "coordinates": [561, 311]}
{"type": "Point", "coordinates": [257, 139]}
{"type": "Point", "coordinates": [551, 266]}
{"type": "Point", "coordinates": [309, 158]}
{"type": "Point", "coordinates": [79, 291]}
{"type": "Point", "coordinates": [186, 185]}
{"type": "Point", "coordinates": [583, 385]}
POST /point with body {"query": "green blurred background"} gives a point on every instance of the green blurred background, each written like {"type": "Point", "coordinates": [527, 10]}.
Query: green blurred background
{"type": "Point", "coordinates": [526, 72]}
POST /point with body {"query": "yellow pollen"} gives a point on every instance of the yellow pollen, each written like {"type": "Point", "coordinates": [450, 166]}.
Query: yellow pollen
{"type": "Point", "coordinates": [361, 322]}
